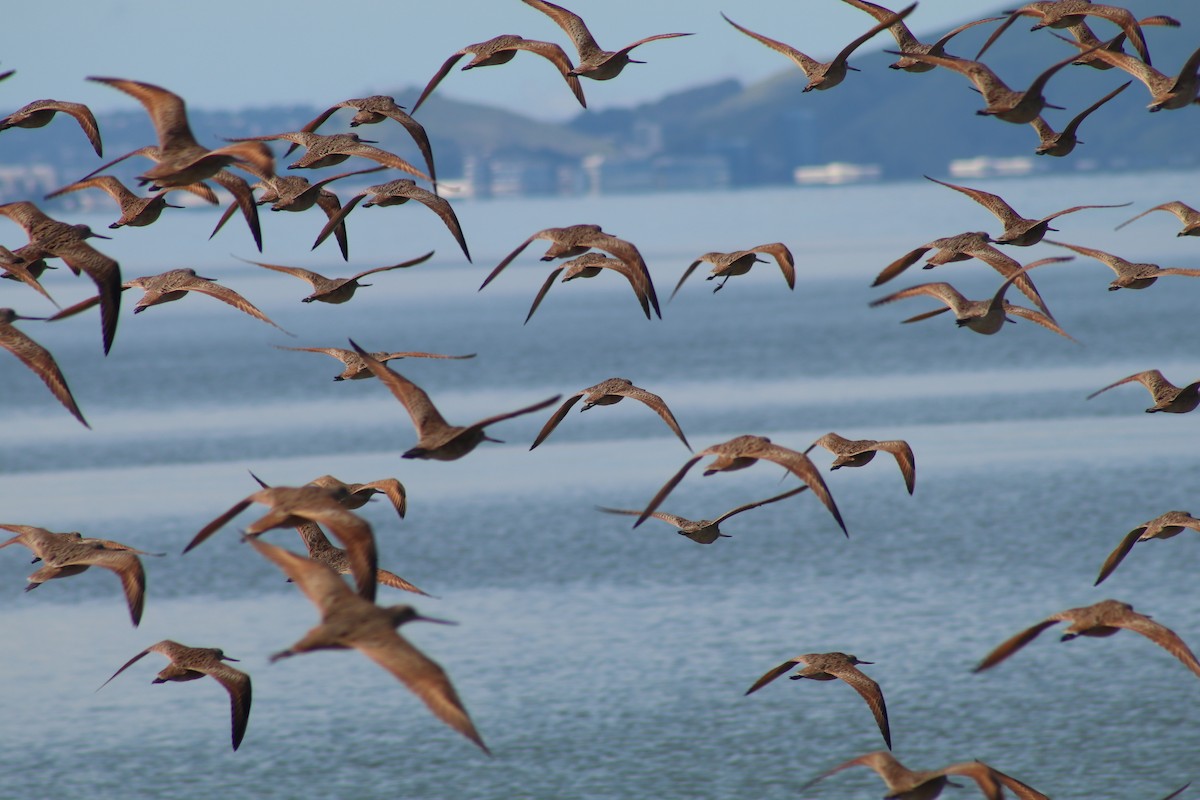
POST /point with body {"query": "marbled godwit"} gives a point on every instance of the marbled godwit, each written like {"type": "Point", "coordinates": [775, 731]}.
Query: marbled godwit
{"type": "Point", "coordinates": [829, 667]}
{"type": "Point", "coordinates": [859, 452]}
{"type": "Point", "coordinates": [1099, 619]}
{"type": "Point", "coordinates": [137, 211]}
{"type": "Point", "coordinates": [501, 50]}
{"type": "Point", "coordinates": [1018, 230]}
{"type": "Point", "coordinates": [1165, 91]}
{"type": "Point", "coordinates": [1051, 143]}
{"type": "Point", "coordinates": [349, 621]}
{"type": "Point", "coordinates": [1187, 215]}
{"type": "Point", "coordinates": [909, 43]}
{"type": "Point", "coordinates": [68, 243]}
{"type": "Point", "coordinates": [741, 452]}
{"type": "Point", "coordinates": [394, 193]}
{"type": "Point", "coordinates": [1002, 102]}
{"type": "Point", "coordinates": [1164, 526]}
{"type": "Point", "coordinates": [38, 359]}
{"type": "Point", "coordinates": [703, 531]}
{"type": "Point", "coordinates": [64, 555]}
{"type": "Point", "coordinates": [606, 393]}
{"type": "Point", "coordinates": [337, 290]}
{"type": "Point", "coordinates": [172, 285]}
{"type": "Point", "coordinates": [39, 113]}
{"type": "Point", "coordinates": [355, 368]}
{"type": "Point", "coordinates": [1130, 275]}
{"type": "Point", "coordinates": [739, 262]}
{"type": "Point", "coordinates": [297, 193]}
{"type": "Point", "coordinates": [982, 316]}
{"type": "Point", "coordinates": [1167, 396]}
{"type": "Point", "coordinates": [327, 151]}
{"type": "Point", "coordinates": [923, 784]}
{"type": "Point", "coordinates": [824, 75]}
{"type": "Point", "coordinates": [242, 195]}
{"type": "Point", "coordinates": [436, 438]}
{"type": "Point", "coordinates": [291, 506]}
{"type": "Point", "coordinates": [180, 159]}
{"type": "Point", "coordinates": [594, 62]}
{"type": "Point", "coordinates": [575, 240]}
{"type": "Point", "coordinates": [373, 109]}
{"type": "Point", "coordinates": [589, 265]}
{"type": "Point", "coordinates": [191, 663]}
{"type": "Point", "coordinates": [962, 247]}
{"type": "Point", "coordinates": [1068, 13]}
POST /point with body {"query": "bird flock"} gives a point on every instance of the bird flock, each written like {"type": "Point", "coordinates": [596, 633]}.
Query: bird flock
{"type": "Point", "coordinates": [349, 616]}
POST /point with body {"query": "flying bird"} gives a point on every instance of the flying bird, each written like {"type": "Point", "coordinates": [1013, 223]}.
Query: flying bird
{"type": "Point", "coordinates": [1167, 396]}
{"type": "Point", "coordinates": [1067, 13]}
{"type": "Point", "coordinates": [327, 151]}
{"type": "Point", "coordinates": [589, 265]}
{"type": "Point", "coordinates": [337, 290]}
{"type": "Point", "coordinates": [1164, 526]}
{"type": "Point", "coordinates": [824, 75]}
{"type": "Point", "coordinates": [191, 663]}
{"type": "Point", "coordinates": [350, 622]}
{"type": "Point", "coordinates": [1188, 216]}
{"type": "Point", "coordinates": [1061, 143]}
{"type": "Point", "coordinates": [394, 193]}
{"type": "Point", "coordinates": [1166, 92]}
{"type": "Point", "coordinates": [501, 50]}
{"type": "Point", "coordinates": [436, 438]}
{"type": "Point", "coordinates": [1130, 275]}
{"type": "Point", "coordinates": [606, 393]}
{"type": "Point", "coordinates": [704, 531]}
{"type": "Point", "coordinates": [741, 452]}
{"type": "Point", "coordinates": [829, 667]}
{"type": "Point", "coordinates": [859, 452]}
{"type": "Point", "coordinates": [923, 784]}
{"type": "Point", "coordinates": [355, 368]}
{"type": "Point", "coordinates": [907, 42]}
{"type": "Point", "coordinates": [739, 262]}
{"type": "Point", "coordinates": [39, 113]}
{"type": "Point", "coordinates": [1099, 619]}
{"type": "Point", "coordinates": [38, 359]}
{"type": "Point", "coordinates": [137, 211]}
{"type": "Point", "coordinates": [67, 554]}
{"type": "Point", "coordinates": [594, 62]}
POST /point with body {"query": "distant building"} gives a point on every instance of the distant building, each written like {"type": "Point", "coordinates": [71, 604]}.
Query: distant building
{"type": "Point", "coordinates": [614, 175]}
{"type": "Point", "coordinates": [25, 181]}
{"type": "Point", "coordinates": [836, 173]}
{"type": "Point", "coordinates": [990, 167]}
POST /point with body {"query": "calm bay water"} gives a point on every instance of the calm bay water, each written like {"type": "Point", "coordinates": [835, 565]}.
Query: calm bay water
{"type": "Point", "coordinates": [600, 661]}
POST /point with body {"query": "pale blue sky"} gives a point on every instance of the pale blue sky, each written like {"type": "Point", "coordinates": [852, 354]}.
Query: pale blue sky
{"type": "Point", "coordinates": [227, 54]}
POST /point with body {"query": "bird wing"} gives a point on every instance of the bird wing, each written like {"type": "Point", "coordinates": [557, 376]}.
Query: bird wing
{"type": "Point", "coordinates": [414, 399]}
{"type": "Point", "coordinates": [396, 582]}
{"type": "Point", "coordinates": [900, 32]}
{"type": "Point", "coordinates": [393, 490]}
{"type": "Point", "coordinates": [561, 413]}
{"type": "Point", "coordinates": [1028, 10]}
{"type": "Point", "coordinates": [38, 359]}
{"type": "Point", "coordinates": [1034, 315]}
{"type": "Point", "coordinates": [1012, 645]}
{"type": "Point", "coordinates": [423, 677]}
{"type": "Point", "coordinates": [783, 257]}
{"type": "Point", "coordinates": [1180, 210]}
{"type": "Point", "coordinates": [483, 423]}
{"type": "Point", "coordinates": [356, 537]}
{"type": "Point", "coordinates": [166, 109]}
{"type": "Point", "coordinates": [442, 72]}
{"type": "Point", "coordinates": [627, 252]}
{"type": "Point", "coordinates": [440, 206]}
{"type": "Point", "coordinates": [900, 264]}
{"type": "Point", "coordinates": [1078, 119]}
{"type": "Point", "coordinates": [381, 156]}
{"type": "Point", "coordinates": [218, 523]}
{"type": "Point", "coordinates": [508, 259]}
{"type": "Point", "coordinates": [319, 583]}
{"type": "Point", "coordinates": [882, 25]}
{"type": "Point", "coordinates": [1125, 19]}
{"type": "Point", "coordinates": [1118, 555]}
{"type": "Point", "coordinates": [747, 506]}
{"type": "Point", "coordinates": [993, 203]}
{"type": "Point", "coordinates": [1162, 636]}
{"type": "Point", "coordinates": [227, 295]}
{"type": "Point", "coordinates": [127, 665]}
{"type": "Point", "coordinates": [330, 205]}
{"type": "Point", "coordinates": [573, 25]}
{"type": "Point", "coordinates": [772, 674]}
{"type": "Point", "coordinates": [904, 458]}
{"type": "Point", "coordinates": [86, 119]}
{"type": "Point", "coordinates": [336, 220]}
{"type": "Point", "coordinates": [557, 56]}
{"type": "Point", "coordinates": [938, 290]}
{"type": "Point", "coordinates": [537, 300]}
{"type": "Point", "coordinates": [237, 683]}
{"type": "Point", "coordinates": [803, 468]}
{"type": "Point", "coordinates": [869, 690]}
{"type": "Point", "coordinates": [686, 273]}
{"type": "Point", "coordinates": [658, 405]}
{"type": "Point", "coordinates": [665, 490]}
{"type": "Point", "coordinates": [244, 198]}
{"type": "Point", "coordinates": [128, 568]}
{"type": "Point", "coordinates": [1152, 379]}
{"type": "Point", "coordinates": [297, 272]}
{"type": "Point", "coordinates": [807, 64]}
{"type": "Point", "coordinates": [412, 262]}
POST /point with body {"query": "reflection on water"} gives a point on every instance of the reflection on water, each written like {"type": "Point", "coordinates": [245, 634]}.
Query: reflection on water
{"type": "Point", "coordinates": [600, 661]}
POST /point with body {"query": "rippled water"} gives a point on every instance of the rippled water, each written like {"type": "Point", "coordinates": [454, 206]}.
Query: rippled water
{"type": "Point", "coordinates": [600, 661]}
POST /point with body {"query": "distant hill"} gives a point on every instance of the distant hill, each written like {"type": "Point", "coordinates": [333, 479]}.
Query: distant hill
{"type": "Point", "coordinates": [909, 124]}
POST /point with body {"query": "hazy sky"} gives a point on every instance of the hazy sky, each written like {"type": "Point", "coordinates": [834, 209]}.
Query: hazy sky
{"type": "Point", "coordinates": [227, 54]}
